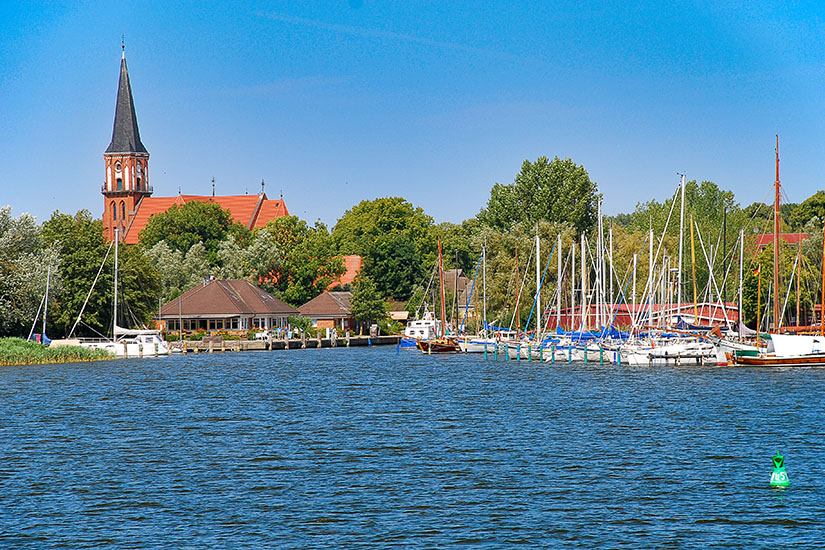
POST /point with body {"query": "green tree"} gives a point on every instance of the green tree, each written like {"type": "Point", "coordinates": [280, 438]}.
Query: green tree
{"type": "Point", "coordinates": [24, 264]}
{"type": "Point", "coordinates": [557, 190]}
{"type": "Point", "coordinates": [82, 250]}
{"type": "Point", "coordinates": [395, 240]}
{"type": "Point", "coordinates": [183, 226]}
{"type": "Point", "coordinates": [812, 207]}
{"type": "Point", "coordinates": [367, 305]}
{"type": "Point", "coordinates": [306, 263]}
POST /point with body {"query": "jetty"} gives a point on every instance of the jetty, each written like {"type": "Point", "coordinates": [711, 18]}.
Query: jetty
{"type": "Point", "coordinates": [213, 344]}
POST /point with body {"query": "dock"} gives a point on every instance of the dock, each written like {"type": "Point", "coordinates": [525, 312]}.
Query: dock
{"type": "Point", "coordinates": [217, 344]}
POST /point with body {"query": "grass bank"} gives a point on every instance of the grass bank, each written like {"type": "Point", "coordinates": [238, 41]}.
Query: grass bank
{"type": "Point", "coordinates": [16, 351]}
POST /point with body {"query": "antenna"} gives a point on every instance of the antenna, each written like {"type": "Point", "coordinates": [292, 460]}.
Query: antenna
{"type": "Point", "coordinates": [262, 187]}
{"type": "Point", "coordinates": [123, 45]}
{"type": "Point", "coordinates": [213, 186]}
{"type": "Point", "coordinates": [282, 195]}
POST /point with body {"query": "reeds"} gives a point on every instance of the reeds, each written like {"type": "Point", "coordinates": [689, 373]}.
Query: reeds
{"type": "Point", "coordinates": [16, 351]}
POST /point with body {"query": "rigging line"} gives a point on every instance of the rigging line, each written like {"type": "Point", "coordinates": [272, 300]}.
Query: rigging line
{"type": "Point", "coordinates": [523, 280]}
{"type": "Point", "coordinates": [788, 294]}
{"type": "Point", "coordinates": [91, 289]}
{"type": "Point", "coordinates": [712, 278]}
{"type": "Point", "coordinates": [541, 284]}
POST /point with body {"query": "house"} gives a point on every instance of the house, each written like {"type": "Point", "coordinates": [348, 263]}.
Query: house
{"type": "Point", "coordinates": [352, 264]}
{"type": "Point", "coordinates": [766, 239]}
{"type": "Point", "coordinates": [231, 305]}
{"type": "Point", "coordinates": [330, 309]}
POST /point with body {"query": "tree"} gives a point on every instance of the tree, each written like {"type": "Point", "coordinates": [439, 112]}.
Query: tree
{"type": "Point", "coordinates": [306, 264]}
{"type": "Point", "coordinates": [183, 226]}
{"type": "Point", "coordinates": [557, 190]}
{"type": "Point", "coordinates": [812, 207]}
{"type": "Point", "coordinates": [366, 304]}
{"type": "Point", "coordinates": [24, 264]}
{"type": "Point", "coordinates": [82, 250]}
{"type": "Point", "coordinates": [395, 240]}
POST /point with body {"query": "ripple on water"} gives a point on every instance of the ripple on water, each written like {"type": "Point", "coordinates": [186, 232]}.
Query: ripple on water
{"type": "Point", "coordinates": [356, 447]}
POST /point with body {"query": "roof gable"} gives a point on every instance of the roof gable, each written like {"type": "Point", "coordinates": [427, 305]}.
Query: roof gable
{"type": "Point", "coordinates": [328, 303]}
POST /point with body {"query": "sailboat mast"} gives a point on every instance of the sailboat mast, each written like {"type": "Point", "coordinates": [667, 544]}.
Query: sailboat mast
{"type": "Point", "coordinates": [585, 315]}
{"type": "Point", "coordinates": [558, 286]}
{"type": "Point", "coordinates": [776, 242]}
{"type": "Point", "coordinates": [539, 313]}
{"type": "Point", "coordinates": [681, 247]}
{"type": "Point", "coordinates": [114, 321]}
{"type": "Point", "coordinates": [484, 280]}
{"type": "Point", "coordinates": [441, 276]}
{"type": "Point", "coordinates": [46, 301]}
{"type": "Point", "coordinates": [572, 319]}
{"type": "Point", "coordinates": [741, 275]}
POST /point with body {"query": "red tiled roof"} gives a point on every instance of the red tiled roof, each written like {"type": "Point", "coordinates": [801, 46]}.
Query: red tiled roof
{"type": "Point", "coordinates": [270, 209]}
{"type": "Point", "coordinates": [225, 298]}
{"type": "Point", "coordinates": [328, 304]}
{"type": "Point", "coordinates": [251, 210]}
{"type": "Point", "coordinates": [352, 263]}
{"type": "Point", "coordinates": [791, 238]}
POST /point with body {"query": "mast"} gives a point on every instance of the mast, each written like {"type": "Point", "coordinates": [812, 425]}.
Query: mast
{"type": "Point", "coordinates": [539, 315]}
{"type": "Point", "coordinates": [741, 267]}
{"type": "Point", "coordinates": [822, 303]}
{"type": "Point", "coordinates": [610, 277]}
{"type": "Point", "coordinates": [443, 305]}
{"type": "Point", "coordinates": [484, 280]}
{"type": "Point", "coordinates": [650, 278]}
{"type": "Point", "coordinates": [518, 294]}
{"type": "Point", "coordinates": [693, 269]}
{"type": "Point", "coordinates": [585, 315]}
{"type": "Point", "coordinates": [573, 285]}
{"type": "Point", "coordinates": [776, 242]}
{"type": "Point", "coordinates": [635, 262]}
{"type": "Point", "coordinates": [46, 302]}
{"type": "Point", "coordinates": [681, 246]}
{"type": "Point", "coordinates": [725, 256]}
{"type": "Point", "coordinates": [114, 323]}
{"type": "Point", "coordinates": [558, 286]}
{"type": "Point", "coordinates": [799, 263]}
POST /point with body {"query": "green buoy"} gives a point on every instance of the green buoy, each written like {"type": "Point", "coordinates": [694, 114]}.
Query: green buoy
{"type": "Point", "coordinates": [779, 478]}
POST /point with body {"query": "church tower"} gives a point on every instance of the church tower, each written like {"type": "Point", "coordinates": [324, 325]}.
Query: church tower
{"type": "Point", "coordinates": [127, 163]}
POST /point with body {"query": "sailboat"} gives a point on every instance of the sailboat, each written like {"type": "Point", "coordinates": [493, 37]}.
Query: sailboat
{"type": "Point", "coordinates": [444, 343]}
{"type": "Point", "coordinates": [785, 350]}
{"type": "Point", "coordinates": [125, 342]}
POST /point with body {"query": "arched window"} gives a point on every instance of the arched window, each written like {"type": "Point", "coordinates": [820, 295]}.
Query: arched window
{"type": "Point", "coordinates": [122, 210]}
{"type": "Point", "coordinates": [119, 175]}
{"type": "Point", "coordinates": [139, 177]}
{"type": "Point", "coordinates": [114, 211]}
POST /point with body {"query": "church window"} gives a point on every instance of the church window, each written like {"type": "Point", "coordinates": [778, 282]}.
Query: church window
{"type": "Point", "coordinates": [122, 210]}
{"type": "Point", "coordinates": [114, 211]}
{"type": "Point", "coordinates": [120, 184]}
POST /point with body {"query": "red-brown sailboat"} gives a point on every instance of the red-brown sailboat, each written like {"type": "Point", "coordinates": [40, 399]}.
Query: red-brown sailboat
{"type": "Point", "coordinates": [444, 343]}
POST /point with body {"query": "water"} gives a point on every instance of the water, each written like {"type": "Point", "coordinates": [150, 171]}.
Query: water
{"type": "Point", "coordinates": [363, 447]}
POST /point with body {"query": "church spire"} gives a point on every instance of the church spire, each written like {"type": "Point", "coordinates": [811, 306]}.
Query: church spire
{"type": "Point", "coordinates": [125, 134]}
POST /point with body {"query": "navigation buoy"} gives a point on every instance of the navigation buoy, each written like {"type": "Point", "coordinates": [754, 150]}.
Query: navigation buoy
{"type": "Point", "coordinates": [779, 478]}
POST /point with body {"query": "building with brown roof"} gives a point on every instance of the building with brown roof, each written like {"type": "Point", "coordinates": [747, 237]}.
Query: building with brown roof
{"type": "Point", "coordinates": [330, 310]}
{"type": "Point", "coordinates": [232, 305]}
{"type": "Point", "coordinates": [352, 264]}
{"type": "Point", "coordinates": [127, 196]}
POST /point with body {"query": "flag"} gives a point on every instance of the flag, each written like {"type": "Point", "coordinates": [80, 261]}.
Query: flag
{"type": "Point", "coordinates": [756, 271]}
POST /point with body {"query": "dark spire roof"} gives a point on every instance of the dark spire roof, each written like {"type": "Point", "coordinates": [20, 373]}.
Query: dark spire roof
{"type": "Point", "coordinates": [125, 135]}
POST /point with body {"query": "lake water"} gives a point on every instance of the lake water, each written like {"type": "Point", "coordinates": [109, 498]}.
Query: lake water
{"type": "Point", "coordinates": [364, 447]}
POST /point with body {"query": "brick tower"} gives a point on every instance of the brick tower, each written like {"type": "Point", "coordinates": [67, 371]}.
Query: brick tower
{"type": "Point", "coordinates": [127, 163]}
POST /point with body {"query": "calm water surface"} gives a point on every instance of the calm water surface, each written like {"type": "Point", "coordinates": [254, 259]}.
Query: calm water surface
{"type": "Point", "coordinates": [364, 447]}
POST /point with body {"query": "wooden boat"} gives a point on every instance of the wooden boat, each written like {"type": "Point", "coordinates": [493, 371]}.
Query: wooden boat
{"type": "Point", "coordinates": [813, 360]}
{"type": "Point", "coordinates": [444, 344]}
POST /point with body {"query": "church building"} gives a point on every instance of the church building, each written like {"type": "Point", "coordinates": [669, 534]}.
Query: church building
{"type": "Point", "coordinates": [127, 195]}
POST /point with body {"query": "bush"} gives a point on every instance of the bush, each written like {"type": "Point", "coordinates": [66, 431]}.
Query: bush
{"type": "Point", "coordinates": [197, 335]}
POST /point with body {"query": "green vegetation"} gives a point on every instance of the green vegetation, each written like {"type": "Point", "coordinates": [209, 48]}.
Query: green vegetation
{"type": "Point", "coordinates": [16, 351]}
{"type": "Point", "coordinates": [296, 261]}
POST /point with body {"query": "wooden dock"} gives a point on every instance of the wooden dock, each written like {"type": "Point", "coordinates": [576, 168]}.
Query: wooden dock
{"type": "Point", "coordinates": [218, 345]}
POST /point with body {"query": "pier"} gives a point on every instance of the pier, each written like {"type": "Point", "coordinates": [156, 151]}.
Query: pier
{"type": "Point", "coordinates": [217, 344]}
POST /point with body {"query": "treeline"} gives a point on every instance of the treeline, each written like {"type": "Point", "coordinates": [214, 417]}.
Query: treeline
{"type": "Point", "coordinates": [397, 241]}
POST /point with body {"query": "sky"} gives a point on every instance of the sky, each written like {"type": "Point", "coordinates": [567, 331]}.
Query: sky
{"type": "Point", "coordinates": [332, 103]}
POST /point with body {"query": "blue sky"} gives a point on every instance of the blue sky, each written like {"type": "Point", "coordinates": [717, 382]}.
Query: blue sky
{"type": "Point", "coordinates": [336, 102]}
